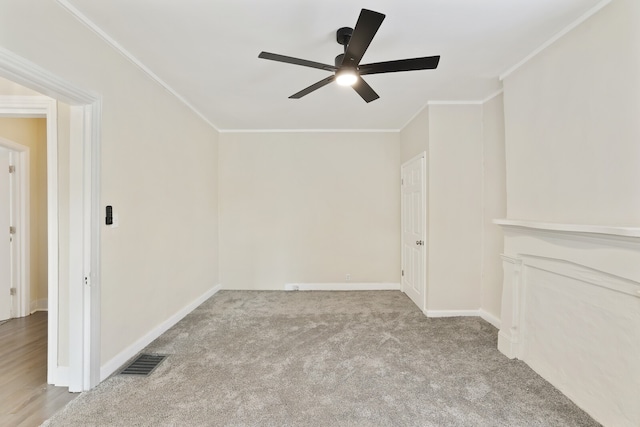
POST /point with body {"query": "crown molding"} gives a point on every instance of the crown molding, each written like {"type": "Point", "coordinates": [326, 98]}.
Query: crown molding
{"type": "Point", "coordinates": [438, 103]}
{"type": "Point", "coordinates": [493, 95]}
{"type": "Point", "coordinates": [424, 107]}
{"type": "Point", "coordinates": [135, 61]}
{"type": "Point", "coordinates": [309, 130]}
{"type": "Point", "coordinates": [556, 37]}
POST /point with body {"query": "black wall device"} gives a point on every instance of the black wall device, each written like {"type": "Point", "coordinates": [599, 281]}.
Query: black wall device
{"type": "Point", "coordinates": [109, 219]}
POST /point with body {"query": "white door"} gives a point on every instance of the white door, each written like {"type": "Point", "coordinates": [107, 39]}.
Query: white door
{"type": "Point", "coordinates": [5, 237]}
{"type": "Point", "coordinates": [413, 230]}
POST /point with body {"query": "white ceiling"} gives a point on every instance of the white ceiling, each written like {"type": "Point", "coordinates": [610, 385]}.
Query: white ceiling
{"type": "Point", "coordinates": [207, 52]}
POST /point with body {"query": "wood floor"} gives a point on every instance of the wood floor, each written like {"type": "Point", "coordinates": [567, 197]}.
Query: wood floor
{"type": "Point", "coordinates": [25, 398]}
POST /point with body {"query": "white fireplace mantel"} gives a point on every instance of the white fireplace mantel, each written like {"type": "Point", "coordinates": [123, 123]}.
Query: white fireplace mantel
{"type": "Point", "coordinates": [571, 311]}
{"type": "Point", "coordinates": [588, 229]}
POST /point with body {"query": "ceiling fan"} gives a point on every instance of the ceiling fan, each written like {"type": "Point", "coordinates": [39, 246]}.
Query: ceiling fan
{"type": "Point", "coordinates": [347, 69]}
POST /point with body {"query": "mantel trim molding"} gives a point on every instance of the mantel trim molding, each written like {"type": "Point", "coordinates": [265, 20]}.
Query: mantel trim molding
{"type": "Point", "coordinates": [584, 229]}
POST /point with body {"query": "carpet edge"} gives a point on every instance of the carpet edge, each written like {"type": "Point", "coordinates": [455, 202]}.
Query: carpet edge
{"type": "Point", "coordinates": [345, 286]}
{"type": "Point", "coordinates": [118, 360]}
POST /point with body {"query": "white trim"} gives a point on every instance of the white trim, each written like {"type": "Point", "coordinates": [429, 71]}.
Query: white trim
{"type": "Point", "coordinates": [583, 273]}
{"type": "Point", "coordinates": [490, 318]}
{"type": "Point", "coordinates": [422, 155]}
{"type": "Point", "coordinates": [588, 14]}
{"type": "Point", "coordinates": [510, 330]}
{"type": "Point", "coordinates": [346, 286]}
{"type": "Point", "coordinates": [432, 103]}
{"type": "Point", "coordinates": [424, 107]}
{"type": "Point", "coordinates": [118, 360]}
{"type": "Point", "coordinates": [62, 374]}
{"type": "Point", "coordinates": [309, 130]}
{"type": "Point", "coordinates": [24, 107]}
{"type": "Point", "coordinates": [483, 214]}
{"type": "Point", "coordinates": [77, 363]}
{"type": "Point", "coordinates": [607, 230]}
{"type": "Point", "coordinates": [510, 260]}
{"type": "Point", "coordinates": [483, 314]}
{"type": "Point", "coordinates": [119, 48]}
{"type": "Point", "coordinates": [452, 313]}
{"type": "Point", "coordinates": [493, 95]}
{"type": "Point", "coordinates": [32, 76]}
{"type": "Point", "coordinates": [508, 344]}
{"type": "Point", "coordinates": [93, 215]}
{"type": "Point", "coordinates": [467, 102]}
{"type": "Point", "coordinates": [53, 259]}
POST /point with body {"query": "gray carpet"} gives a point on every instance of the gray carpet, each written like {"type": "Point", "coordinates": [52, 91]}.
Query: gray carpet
{"type": "Point", "coordinates": [325, 359]}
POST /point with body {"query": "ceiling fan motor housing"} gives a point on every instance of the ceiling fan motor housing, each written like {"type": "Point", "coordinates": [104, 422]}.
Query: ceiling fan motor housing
{"type": "Point", "coordinates": [343, 35]}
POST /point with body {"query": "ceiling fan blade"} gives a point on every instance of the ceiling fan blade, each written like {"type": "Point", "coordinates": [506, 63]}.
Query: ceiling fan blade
{"type": "Point", "coordinates": [366, 27]}
{"type": "Point", "coordinates": [365, 91]}
{"type": "Point", "coordinates": [296, 61]}
{"type": "Point", "coordinates": [426, 63]}
{"type": "Point", "coordinates": [313, 87]}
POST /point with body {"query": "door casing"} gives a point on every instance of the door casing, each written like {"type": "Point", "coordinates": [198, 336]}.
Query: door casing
{"type": "Point", "coordinates": [83, 372]}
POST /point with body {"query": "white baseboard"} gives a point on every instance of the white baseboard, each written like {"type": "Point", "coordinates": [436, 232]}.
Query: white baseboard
{"type": "Point", "coordinates": [490, 318]}
{"type": "Point", "coordinates": [41, 304]}
{"type": "Point", "coordinates": [346, 286]}
{"type": "Point", "coordinates": [485, 315]}
{"type": "Point", "coordinates": [61, 377]}
{"type": "Point", "coordinates": [507, 345]}
{"type": "Point", "coordinates": [452, 313]}
{"type": "Point", "coordinates": [116, 362]}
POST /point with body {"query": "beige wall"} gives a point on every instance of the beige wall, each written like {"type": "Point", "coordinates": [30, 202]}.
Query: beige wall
{"type": "Point", "coordinates": [572, 125]}
{"type": "Point", "coordinates": [32, 133]}
{"type": "Point", "coordinates": [308, 208]}
{"type": "Point", "coordinates": [466, 181]}
{"type": "Point", "coordinates": [159, 171]}
{"type": "Point", "coordinates": [455, 207]}
{"type": "Point", "coordinates": [494, 203]}
{"type": "Point", "coordinates": [414, 137]}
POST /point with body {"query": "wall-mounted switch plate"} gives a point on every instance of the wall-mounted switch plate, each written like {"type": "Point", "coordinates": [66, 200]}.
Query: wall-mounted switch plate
{"type": "Point", "coordinates": [109, 215]}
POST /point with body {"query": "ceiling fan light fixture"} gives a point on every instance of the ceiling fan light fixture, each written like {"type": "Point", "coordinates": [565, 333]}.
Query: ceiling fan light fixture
{"type": "Point", "coordinates": [347, 70]}
{"type": "Point", "coordinates": [346, 77]}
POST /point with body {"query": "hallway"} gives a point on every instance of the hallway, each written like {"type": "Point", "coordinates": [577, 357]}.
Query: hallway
{"type": "Point", "coordinates": [25, 398]}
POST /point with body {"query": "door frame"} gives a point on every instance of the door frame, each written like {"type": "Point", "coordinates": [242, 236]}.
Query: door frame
{"type": "Point", "coordinates": [83, 372]}
{"type": "Point", "coordinates": [20, 153]}
{"type": "Point", "coordinates": [425, 224]}
{"type": "Point", "coordinates": [25, 107]}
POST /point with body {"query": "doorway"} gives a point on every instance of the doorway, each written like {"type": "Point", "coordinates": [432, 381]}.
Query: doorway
{"type": "Point", "coordinates": [7, 270]}
{"type": "Point", "coordinates": [83, 368]}
{"type": "Point", "coordinates": [414, 230]}
{"type": "Point", "coordinates": [15, 226]}
{"type": "Point", "coordinates": [33, 120]}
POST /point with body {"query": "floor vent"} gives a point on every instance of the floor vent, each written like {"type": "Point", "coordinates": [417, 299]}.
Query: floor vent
{"type": "Point", "coordinates": [143, 365]}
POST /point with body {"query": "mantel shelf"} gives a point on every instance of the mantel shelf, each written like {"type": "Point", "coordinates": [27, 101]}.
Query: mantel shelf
{"type": "Point", "coordinates": [606, 230]}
